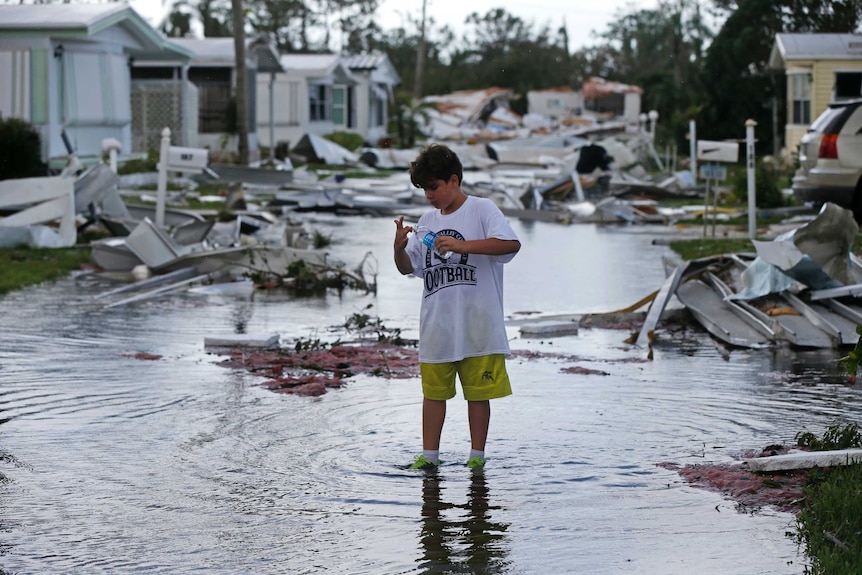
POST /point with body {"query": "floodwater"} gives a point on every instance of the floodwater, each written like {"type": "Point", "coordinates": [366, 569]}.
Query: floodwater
{"type": "Point", "coordinates": [113, 464]}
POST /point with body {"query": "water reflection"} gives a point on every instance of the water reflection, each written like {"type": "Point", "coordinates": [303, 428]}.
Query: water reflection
{"type": "Point", "coordinates": [241, 315]}
{"type": "Point", "coordinates": [461, 538]}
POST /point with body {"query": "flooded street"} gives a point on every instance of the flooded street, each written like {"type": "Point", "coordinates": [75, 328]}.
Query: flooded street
{"type": "Point", "coordinates": [177, 465]}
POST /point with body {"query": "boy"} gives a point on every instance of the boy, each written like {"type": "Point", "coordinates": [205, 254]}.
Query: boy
{"type": "Point", "coordinates": [461, 326]}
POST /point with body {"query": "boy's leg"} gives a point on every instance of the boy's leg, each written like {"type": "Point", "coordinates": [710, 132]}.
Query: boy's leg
{"type": "Point", "coordinates": [483, 378]}
{"type": "Point", "coordinates": [438, 385]}
{"type": "Point", "coordinates": [479, 417]}
{"type": "Point", "coordinates": [433, 416]}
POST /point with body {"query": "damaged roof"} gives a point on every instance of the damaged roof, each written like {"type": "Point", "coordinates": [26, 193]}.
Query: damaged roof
{"type": "Point", "coordinates": [597, 87]}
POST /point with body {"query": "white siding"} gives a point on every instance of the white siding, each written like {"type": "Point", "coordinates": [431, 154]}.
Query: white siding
{"type": "Point", "coordinates": [15, 84]}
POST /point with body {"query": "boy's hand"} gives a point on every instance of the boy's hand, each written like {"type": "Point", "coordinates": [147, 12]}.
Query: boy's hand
{"type": "Point", "coordinates": [401, 232]}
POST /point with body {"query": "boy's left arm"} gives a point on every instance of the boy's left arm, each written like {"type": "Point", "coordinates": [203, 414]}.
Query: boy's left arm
{"type": "Point", "coordinates": [488, 246]}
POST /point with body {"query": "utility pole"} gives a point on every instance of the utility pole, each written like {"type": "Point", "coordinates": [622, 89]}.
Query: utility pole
{"type": "Point", "coordinates": [241, 81]}
{"type": "Point", "coordinates": [420, 59]}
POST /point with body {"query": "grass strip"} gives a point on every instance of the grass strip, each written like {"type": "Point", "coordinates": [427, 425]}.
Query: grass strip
{"type": "Point", "coordinates": [829, 527]}
{"type": "Point", "coordinates": [693, 249]}
{"type": "Point", "coordinates": [24, 266]}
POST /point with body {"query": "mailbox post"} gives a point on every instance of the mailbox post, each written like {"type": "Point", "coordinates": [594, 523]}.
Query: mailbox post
{"type": "Point", "coordinates": [176, 159]}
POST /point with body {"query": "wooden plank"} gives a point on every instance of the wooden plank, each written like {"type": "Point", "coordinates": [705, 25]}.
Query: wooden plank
{"type": "Point", "coordinates": [550, 328]}
{"type": "Point", "coordinates": [805, 460]}
{"type": "Point", "coordinates": [244, 340]}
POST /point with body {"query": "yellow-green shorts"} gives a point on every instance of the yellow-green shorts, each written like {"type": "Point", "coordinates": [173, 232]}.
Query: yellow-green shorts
{"type": "Point", "coordinates": [483, 377]}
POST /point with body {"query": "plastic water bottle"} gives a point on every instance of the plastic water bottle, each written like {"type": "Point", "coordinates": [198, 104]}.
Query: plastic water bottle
{"type": "Point", "coordinates": [427, 236]}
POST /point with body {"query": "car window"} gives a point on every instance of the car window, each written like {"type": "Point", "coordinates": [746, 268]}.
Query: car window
{"type": "Point", "coordinates": [823, 119]}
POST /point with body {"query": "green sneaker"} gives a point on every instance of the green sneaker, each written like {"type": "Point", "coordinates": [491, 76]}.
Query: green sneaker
{"type": "Point", "coordinates": [475, 463]}
{"type": "Point", "coordinates": [423, 463]}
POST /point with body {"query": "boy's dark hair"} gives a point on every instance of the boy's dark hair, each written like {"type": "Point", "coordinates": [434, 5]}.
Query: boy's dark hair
{"type": "Point", "coordinates": [436, 162]}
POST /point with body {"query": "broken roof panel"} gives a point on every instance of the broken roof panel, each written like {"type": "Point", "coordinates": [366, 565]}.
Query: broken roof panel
{"type": "Point", "coordinates": [597, 87]}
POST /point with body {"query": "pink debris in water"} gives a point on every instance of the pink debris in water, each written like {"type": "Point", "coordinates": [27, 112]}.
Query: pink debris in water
{"type": "Point", "coordinates": [312, 372]}
{"type": "Point", "coordinates": [576, 369]}
{"type": "Point", "coordinates": [781, 490]}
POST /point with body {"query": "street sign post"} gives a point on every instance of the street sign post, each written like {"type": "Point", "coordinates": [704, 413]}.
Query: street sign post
{"type": "Point", "coordinates": [712, 151]}
{"type": "Point", "coordinates": [716, 173]}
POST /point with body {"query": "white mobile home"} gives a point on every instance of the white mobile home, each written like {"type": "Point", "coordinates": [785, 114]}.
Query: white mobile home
{"type": "Point", "coordinates": [323, 93]}
{"type": "Point", "coordinates": [66, 66]}
{"type": "Point", "coordinates": [310, 97]}
{"type": "Point", "coordinates": [376, 79]}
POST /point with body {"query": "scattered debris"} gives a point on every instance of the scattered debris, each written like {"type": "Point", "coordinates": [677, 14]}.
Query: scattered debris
{"type": "Point", "coordinates": [792, 292]}
{"type": "Point", "coordinates": [750, 490]}
{"type": "Point", "coordinates": [312, 371]}
{"type": "Point", "coordinates": [143, 356]}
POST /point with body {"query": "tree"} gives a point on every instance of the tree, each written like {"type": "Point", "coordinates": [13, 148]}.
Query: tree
{"type": "Point", "coordinates": [822, 16]}
{"type": "Point", "coordinates": [241, 81]}
{"type": "Point", "coordinates": [661, 51]}
{"type": "Point", "coordinates": [215, 17]}
{"type": "Point", "coordinates": [740, 53]}
{"type": "Point", "coordinates": [420, 57]}
{"type": "Point", "coordinates": [307, 25]}
{"type": "Point", "coordinates": [178, 23]}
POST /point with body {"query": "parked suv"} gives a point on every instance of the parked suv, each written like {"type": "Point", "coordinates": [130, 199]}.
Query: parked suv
{"type": "Point", "coordinates": [830, 158]}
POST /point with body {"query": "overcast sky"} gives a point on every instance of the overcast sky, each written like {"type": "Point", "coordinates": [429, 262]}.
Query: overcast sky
{"type": "Point", "coordinates": [582, 17]}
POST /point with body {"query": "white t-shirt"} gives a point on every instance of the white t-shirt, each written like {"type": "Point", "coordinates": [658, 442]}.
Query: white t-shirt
{"type": "Point", "coordinates": [462, 302]}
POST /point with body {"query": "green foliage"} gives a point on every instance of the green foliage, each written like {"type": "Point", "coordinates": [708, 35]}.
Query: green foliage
{"type": "Point", "coordinates": [834, 438]}
{"type": "Point", "coordinates": [854, 356]}
{"type": "Point", "coordinates": [767, 193]}
{"type": "Point", "coordinates": [20, 150]}
{"type": "Point", "coordinates": [662, 51]}
{"type": "Point", "coordinates": [830, 524]}
{"type": "Point", "coordinates": [405, 118]}
{"type": "Point", "coordinates": [701, 248]}
{"type": "Point", "coordinates": [138, 165]}
{"type": "Point", "coordinates": [362, 322]}
{"type": "Point", "coordinates": [312, 345]}
{"type": "Point", "coordinates": [321, 240]}
{"type": "Point", "coordinates": [305, 281]}
{"type": "Point", "coordinates": [348, 140]}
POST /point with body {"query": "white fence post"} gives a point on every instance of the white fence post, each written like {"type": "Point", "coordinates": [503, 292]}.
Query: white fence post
{"type": "Point", "coordinates": [692, 149]}
{"type": "Point", "coordinates": [161, 191]}
{"type": "Point", "coordinates": [749, 154]}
